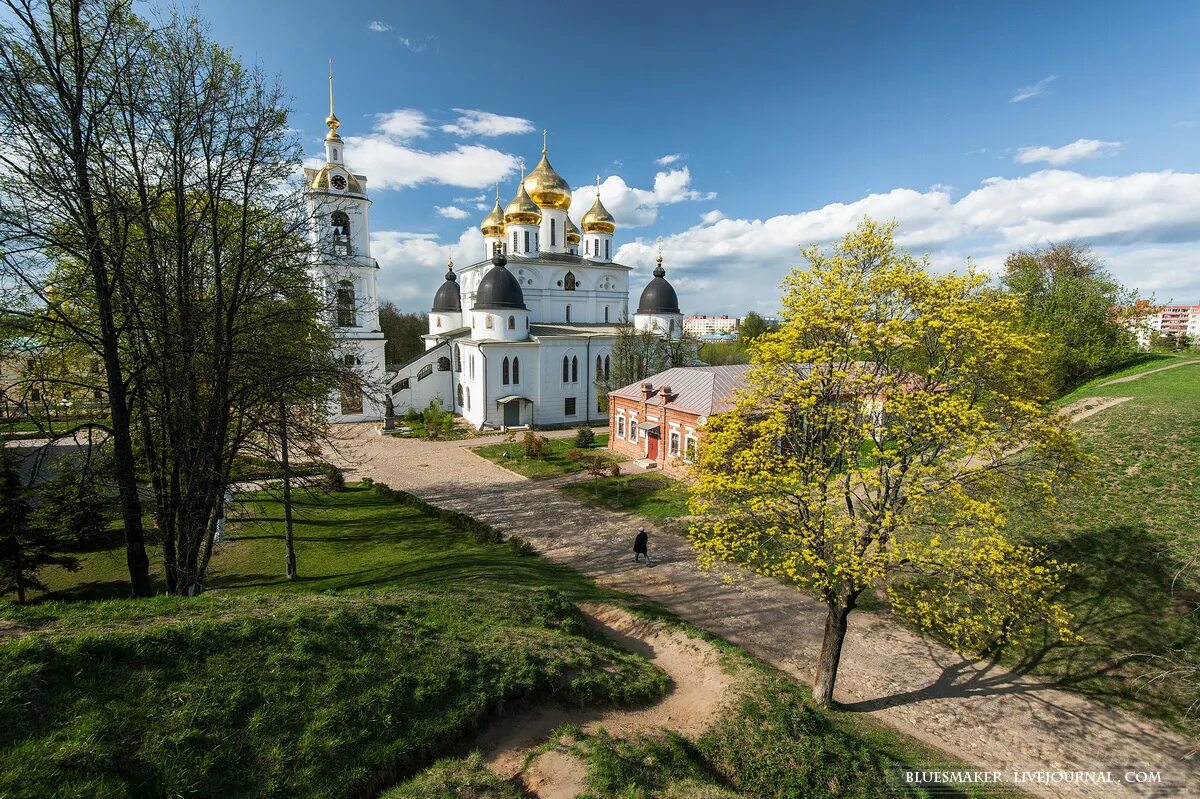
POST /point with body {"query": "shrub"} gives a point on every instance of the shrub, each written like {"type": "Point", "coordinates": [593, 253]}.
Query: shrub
{"type": "Point", "coordinates": [334, 480]}
{"type": "Point", "coordinates": [614, 469]}
{"type": "Point", "coordinates": [574, 454]}
{"type": "Point", "coordinates": [584, 437]}
{"type": "Point", "coordinates": [599, 466]}
{"type": "Point", "coordinates": [368, 482]}
{"type": "Point", "coordinates": [520, 546]}
{"type": "Point", "coordinates": [535, 445]}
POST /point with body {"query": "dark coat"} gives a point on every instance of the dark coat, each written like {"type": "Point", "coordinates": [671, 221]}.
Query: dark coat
{"type": "Point", "coordinates": [639, 542]}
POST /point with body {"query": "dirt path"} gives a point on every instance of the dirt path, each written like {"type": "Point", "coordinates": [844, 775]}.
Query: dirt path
{"type": "Point", "coordinates": [982, 714]}
{"type": "Point", "coordinates": [1140, 375]}
{"type": "Point", "coordinates": [1090, 406]}
{"type": "Point", "coordinates": [698, 688]}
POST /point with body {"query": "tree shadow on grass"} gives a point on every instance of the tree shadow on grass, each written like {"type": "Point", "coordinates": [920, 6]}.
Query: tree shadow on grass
{"type": "Point", "coordinates": [1120, 596]}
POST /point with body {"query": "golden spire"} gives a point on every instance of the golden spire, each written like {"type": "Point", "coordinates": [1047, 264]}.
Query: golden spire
{"type": "Point", "coordinates": [545, 186]}
{"type": "Point", "coordinates": [573, 236]}
{"type": "Point", "coordinates": [522, 210]}
{"type": "Point", "coordinates": [493, 223]}
{"type": "Point", "coordinates": [598, 219]}
{"type": "Point", "coordinates": [332, 120]}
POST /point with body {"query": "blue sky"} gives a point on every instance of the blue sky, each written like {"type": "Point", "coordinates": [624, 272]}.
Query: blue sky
{"type": "Point", "coordinates": [979, 127]}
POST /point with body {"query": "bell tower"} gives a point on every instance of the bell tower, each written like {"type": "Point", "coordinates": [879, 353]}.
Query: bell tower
{"type": "Point", "coordinates": [346, 274]}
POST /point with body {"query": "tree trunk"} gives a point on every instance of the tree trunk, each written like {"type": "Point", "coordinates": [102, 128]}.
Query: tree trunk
{"type": "Point", "coordinates": [831, 652]}
{"type": "Point", "coordinates": [287, 488]}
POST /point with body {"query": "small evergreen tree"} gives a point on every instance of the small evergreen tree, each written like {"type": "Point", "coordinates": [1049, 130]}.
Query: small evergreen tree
{"type": "Point", "coordinates": [24, 548]}
{"type": "Point", "coordinates": [584, 437]}
{"type": "Point", "coordinates": [73, 507]}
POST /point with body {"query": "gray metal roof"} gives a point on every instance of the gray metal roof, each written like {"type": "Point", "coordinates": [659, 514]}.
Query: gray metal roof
{"type": "Point", "coordinates": [702, 390]}
{"type": "Point", "coordinates": [543, 330]}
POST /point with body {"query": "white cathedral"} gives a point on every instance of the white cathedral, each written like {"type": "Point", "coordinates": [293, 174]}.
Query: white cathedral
{"type": "Point", "coordinates": [518, 338]}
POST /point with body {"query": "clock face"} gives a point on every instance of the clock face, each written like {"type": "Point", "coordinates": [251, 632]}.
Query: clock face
{"type": "Point", "coordinates": [339, 182]}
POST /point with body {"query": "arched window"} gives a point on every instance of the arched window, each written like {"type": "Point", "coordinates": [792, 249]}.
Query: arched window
{"type": "Point", "coordinates": [568, 313]}
{"type": "Point", "coordinates": [443, 364]}
{"type": "Point", "coordinates": [569, 282]}
{"type": "Point", "coordinates": [574, 369]}
{"type": "Point", "coordinates": [439, 320]}
{"type": "Point", "coordinates": [607, 249]}
{"type": "Point", "coordinates": [605, 313]}
{"type": "Point", "coordinates": [566, 369]}
{"type": "Point", "coordinates": [457, 358]}
{"type": "Point", "coordinates": [487, 322]}
{"type": "Point", "coordinates": [341, 233]}
{"type": "Point", "coordinates": [460, 396]}
{"type": "Point", "coordinates": [599, 366]}
{"type": "Point", "coordinates": [504, 371]}
{"type": "Point", "coordinates": [514, 241]}
{"type": "Point", "coordinates": [526, 241]}
{"type": "Point", "coordinates": [346, 317]}
{"type": "Point", "coordinates": [526, 322]}
{"type": "Point", "coordinates": [553, 234]}
{"type": "Point", "coordinates": [606, 364]}
{"type": "Point", "coordinates": [516, 370]}
{"type": "Point", "coordinates": [512, 323]}
{"type": "Point", "coordinates": [467, 406]}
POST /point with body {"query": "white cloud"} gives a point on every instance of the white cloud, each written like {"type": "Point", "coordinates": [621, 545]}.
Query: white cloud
{"type": "Point", "coordinates": [378, 26]}
{"type": "Point", "coordinates": [711, 217]}
{"type": "Point", "coordinates": [450, 211]}
{"type": "Point", "coordinates": [1027, 92]}
{"type": "Point", "coordinates": [403, 123]}
{"type": "Point", "coordinates": [1187, 123]}
{"type": "Point", "coordinates": [412, 265]}
{"type": "Point", "coordinates": [1146, 225]}
{"type": "Point", "coordinates": [1077, 150]}
{"type": "Point", "coordinates": [389, 162]}
{"type": "Point", "coordinates": [473, 122]}
{"type": "Point", "coordinates": [667, 160]}
{"type": "Point", "coordinates": [633, 207]}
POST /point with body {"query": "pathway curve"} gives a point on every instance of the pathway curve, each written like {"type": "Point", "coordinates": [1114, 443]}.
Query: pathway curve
{"type": "Point", "coordinates": [1140, 375]}
{"type": "Point", "coordinates": [983, 714]}
{"type": "Point", "coordinates": [699, 687]}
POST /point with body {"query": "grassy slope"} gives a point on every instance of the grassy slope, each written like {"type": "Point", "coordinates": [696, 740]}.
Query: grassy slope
{"type": "Point", "coordinates": [1130, 532]}
{"type": "Point", "coordinates": [553, 461]}
{"type": "Point", "coordinates": [655, 496]}
{"type": "Point", "coordinates": [351, 540]}
{"type": "Point", "coordinates": [272, 696]}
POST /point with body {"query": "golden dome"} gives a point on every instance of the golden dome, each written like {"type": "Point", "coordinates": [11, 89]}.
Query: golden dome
{"type": "Point", "coordinates": [546, 187]}
{"type": "Point", "coordinates": [321, 178]}
{"type": "Point", "coordinates": [598, 219]}
{"type": "Point", "coordinates": [572, 232]}
{"type": "Point", "coordinates": [493, 223]}
{"type": "Point", "coordinates": [522, 211]}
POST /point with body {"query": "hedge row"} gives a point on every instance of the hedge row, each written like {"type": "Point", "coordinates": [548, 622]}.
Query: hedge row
{"type": "Point", "coordinates": [481, 532]}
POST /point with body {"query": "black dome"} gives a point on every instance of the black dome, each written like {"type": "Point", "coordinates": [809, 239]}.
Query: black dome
{"type": "Point", "coordinates": [499, 289]}
{"type": "Point", "coordinates": [447, 300]}
{"type": "Point", "coordinates": [658, 296]}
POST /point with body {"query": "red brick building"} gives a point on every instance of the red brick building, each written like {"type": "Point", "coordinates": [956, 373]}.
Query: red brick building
{"type": "Point", "coordinates": [660, 419]}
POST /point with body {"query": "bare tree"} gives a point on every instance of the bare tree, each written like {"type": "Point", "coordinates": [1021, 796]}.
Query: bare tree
{"type": "Point", "coordinates": [61, 62]}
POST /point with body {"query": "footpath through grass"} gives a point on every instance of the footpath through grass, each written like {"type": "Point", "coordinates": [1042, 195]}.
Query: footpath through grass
{"type": "Point", "coordinates": [272, 696]}
{"type": "Point", "coordinates": [1133, 533]}
{"type": "Point", "coordinates": [403, 636]}
{"type": "Point", "coordinates": [552, 462]}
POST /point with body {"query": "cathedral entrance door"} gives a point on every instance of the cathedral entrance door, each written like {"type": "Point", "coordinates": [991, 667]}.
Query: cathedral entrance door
{"type": "Point", "coordinates": [652, 446]}
{"type": "Point", "coordinates": [512, 413]}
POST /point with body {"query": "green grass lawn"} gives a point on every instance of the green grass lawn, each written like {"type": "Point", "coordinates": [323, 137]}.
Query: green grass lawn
{"type": "Point", "coordinates": [1132, 532]}
{"type": "Point", "coordinates": [553, 461]}
{"type": "Point", "coordinates": [402, 635]}
{"type": "Point", "coordinates": [271, 696]}
{"type": "Point", "coordinates": [652, 495]}
{"type": "Point", "coordinates": [349, 540]}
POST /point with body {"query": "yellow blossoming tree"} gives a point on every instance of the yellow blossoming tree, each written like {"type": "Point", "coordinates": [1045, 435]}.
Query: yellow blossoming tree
{"type": "Point", "coordinates": [888, 424]}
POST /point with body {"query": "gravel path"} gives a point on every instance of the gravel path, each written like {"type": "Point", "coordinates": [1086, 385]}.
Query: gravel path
{"type": "Point", "coordinates": [983, 714]}
{"type": "Point", "coordinates": [1140, 375]}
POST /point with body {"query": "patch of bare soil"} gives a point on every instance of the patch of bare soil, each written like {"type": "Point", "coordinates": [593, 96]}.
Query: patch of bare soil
{"type": "Point", "coordinates": [699, 687]}
{"type": "Point", "coordinates": [1140, 375]}
{"type": "Point", "coordinates": [1082, 409]}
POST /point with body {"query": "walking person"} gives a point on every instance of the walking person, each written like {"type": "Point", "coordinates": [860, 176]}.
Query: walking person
{"type": "Point", "coordinates": [640, 546]}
